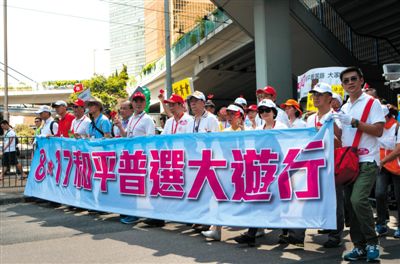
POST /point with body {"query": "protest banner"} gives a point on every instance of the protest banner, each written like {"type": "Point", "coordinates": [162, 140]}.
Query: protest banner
{"type": "Point", "coordinates": [183, 87]}
{"type": "Point", "coordinates": [329, 75]}
{"type": "Point", "coordinates": [261, 178]}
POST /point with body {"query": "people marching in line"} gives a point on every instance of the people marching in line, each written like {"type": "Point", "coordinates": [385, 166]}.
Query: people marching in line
{"type": "Point", "coordinates": [197, 114]}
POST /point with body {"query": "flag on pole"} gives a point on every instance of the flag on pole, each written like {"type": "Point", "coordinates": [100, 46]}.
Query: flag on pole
{"type": "Point", "coordinates": [78, 87]}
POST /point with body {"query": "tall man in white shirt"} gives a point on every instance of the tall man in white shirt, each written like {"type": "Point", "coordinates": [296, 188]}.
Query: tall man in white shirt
{"type": "Point", "coordinates": [81, 122]}
{"type": "Point", "coordinates": [362, 227]}
{"type": "Point", "coordinates": [140, 124]}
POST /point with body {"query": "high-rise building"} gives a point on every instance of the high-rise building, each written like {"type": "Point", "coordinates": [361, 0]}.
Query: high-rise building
{"type": "Point", "coordinates": [137, 29]}
{"type": "Point", "coordinates": [127, 35]}
{"type": "Point", "coordinates": [184, 15]}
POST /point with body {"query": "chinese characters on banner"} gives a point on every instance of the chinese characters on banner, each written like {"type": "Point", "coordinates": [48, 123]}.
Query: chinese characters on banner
{"type": "Point", "coordinates": [277, 178]}
{"type": "Point", "coordinates": [329, 75]}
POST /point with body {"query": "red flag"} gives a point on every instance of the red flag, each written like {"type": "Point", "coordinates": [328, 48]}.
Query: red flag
{"type": "Point", "coordinates": [78, 87]}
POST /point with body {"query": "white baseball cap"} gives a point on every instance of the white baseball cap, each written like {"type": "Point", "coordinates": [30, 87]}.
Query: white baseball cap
{"type": "Point", "coordinates": [235, 108]}
{"type": "Point", "coordinates": [241, 101]}
{"type": "Point", "coordinates": [59, 103]}
{"type": "Point", "coordinates": [43, 108]}
{"type": "Point", "coordinates": [322, 87]}
{"type": "Point", "coordinates": [267, 103]}
{"type": "Point", "coordinates": [337, 97]}
{"type": "Point", "coordinates": [197, 94]}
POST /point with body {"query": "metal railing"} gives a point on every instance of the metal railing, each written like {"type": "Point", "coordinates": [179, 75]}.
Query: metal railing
{"type": "Point", "coordinates": [12, 177]}
{"type": "Point", "coordinates": [366, 49]}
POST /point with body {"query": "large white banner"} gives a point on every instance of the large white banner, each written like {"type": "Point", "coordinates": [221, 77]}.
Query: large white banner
{"type": "Point", "coordinates": [262, 178]}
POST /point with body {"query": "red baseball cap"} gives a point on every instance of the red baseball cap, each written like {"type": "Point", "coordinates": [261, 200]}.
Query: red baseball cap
{"type": "Point", "coordinates": [252, 108]}
{"type": "Point", "coordinates": [175, 98]}
{"type": "Point", "coordinates": [267, 90]}
{"type": "Point", "coordinates": [79, 102]}
{"type": "Point", "coordinates": [138, 95]}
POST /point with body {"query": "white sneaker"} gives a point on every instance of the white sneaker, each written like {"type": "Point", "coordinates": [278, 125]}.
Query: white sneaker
{"type": "Point", "coordinates": [214, 234]}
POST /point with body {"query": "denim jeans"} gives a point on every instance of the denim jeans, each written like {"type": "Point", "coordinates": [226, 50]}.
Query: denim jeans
{"type": "Point", "coordinates": [382, 182]}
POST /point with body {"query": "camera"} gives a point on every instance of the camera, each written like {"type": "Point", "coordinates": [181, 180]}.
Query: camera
{"type": "Point", "coordinates": [391, 72]}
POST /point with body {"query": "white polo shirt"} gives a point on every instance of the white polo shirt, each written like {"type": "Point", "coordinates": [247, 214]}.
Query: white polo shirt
{"type": "Point", "coordinates": [398, 136]}
{"type": "Point", "coordinates": [173, 127]}
{"type": "Point", "coordinates": [80, 126]}
{"type": "Point", "coordinates": [297, 123]}
{"type": "Point", "coordinates": [8, 135]}
{"type": "Point", "coordinates": [45, 130]}
{"type": "Point", "coordinates": [314, 121]}
{"type": "Point", "coordinates": [369, 145]}
{"type": "Point", "coordinates": [207, 123]}
{"type": "Point", "coordinates": [140, 125]}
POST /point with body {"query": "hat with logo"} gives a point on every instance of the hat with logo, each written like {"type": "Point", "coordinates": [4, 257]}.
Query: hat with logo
{"type": "Point", "coordinates": [294, 103]}
{"type": "Point", "coordinates": [197, 94]}
{"type": "Point", "coordinates": [175, 98]}
{"type": "Point", "coordinates": [138, 95]}
{"type": "Point", "coordinates": [267, 90]}
{"type": "Point", "coordinates": [235, 108]}
{"type": "Point", "coordinates": [322, 87]}
{"type": "Point", "coordinates": [266, 103]}
{"type": "Point", "coordinates": [59, 103]}
{"type": "Point", "coordinates": [43, 108]}
{"type": "Point", "coordinates": [79, 102]}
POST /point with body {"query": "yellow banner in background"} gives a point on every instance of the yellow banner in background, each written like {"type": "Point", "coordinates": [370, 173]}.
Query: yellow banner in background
{"type": "Point", "coordinates": [336, 88]}
{"type": "Point", "coordinates": [310, 103]}
{"type": "Point", "coordinates": [398, 101]}
{"type": "Point", "coordinates": [183, 87]}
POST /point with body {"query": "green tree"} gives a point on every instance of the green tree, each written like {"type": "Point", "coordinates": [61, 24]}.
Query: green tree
{"type": "Point", "coordinates": [108, 90]}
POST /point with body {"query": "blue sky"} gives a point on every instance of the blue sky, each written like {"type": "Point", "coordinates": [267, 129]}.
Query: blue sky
{"type": "Point", "coordinates": [46, 46]}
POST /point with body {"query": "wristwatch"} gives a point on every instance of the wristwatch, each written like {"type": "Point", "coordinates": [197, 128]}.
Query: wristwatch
{"type": "Point", "coordinates": [354, 123]}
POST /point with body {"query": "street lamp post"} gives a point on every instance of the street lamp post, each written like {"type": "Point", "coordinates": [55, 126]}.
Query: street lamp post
{"type": "Point", "coordinates": [6, 114]}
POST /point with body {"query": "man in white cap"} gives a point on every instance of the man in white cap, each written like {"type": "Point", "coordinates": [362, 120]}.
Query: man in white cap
{"type": "Point", "coordinates": [203, 121]}
{"type": "Point", "coordinates": [322, 97]}
{"type": "Point", "coordinates": [50, 127]}
{"type": "Point", "coordinates": [64, 125]}
{"type": "Point", "coordinates": [241, 101]}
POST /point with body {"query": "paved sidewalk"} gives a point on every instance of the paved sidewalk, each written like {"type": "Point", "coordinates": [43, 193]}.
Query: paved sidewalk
{"type": "Point", "coordinates": [42, 232]}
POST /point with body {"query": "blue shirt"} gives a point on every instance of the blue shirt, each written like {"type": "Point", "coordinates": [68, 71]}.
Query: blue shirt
{"type": "Point", "coordinates": [102, 123]}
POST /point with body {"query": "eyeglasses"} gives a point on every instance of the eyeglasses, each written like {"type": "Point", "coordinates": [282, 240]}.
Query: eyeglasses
{"type": "Point", "coordinates": [75, 106]}
{"type": "Point", "coordinates": [351, 79]}
{"type": "Point", "coordinates": [266, 110]}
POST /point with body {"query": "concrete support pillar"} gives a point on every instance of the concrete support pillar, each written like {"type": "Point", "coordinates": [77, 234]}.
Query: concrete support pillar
{"type": "Point", "coordinates": [272, 45]}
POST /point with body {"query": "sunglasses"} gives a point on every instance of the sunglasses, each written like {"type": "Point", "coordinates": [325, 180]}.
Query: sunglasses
{"type": "Point", "coordinates": [351, 79]}
{"type": "Point", "coordinates": [264, 110]}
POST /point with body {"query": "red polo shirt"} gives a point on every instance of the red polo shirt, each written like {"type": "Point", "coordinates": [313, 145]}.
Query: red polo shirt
{"type": "Point", "coordinates": [64, 125]}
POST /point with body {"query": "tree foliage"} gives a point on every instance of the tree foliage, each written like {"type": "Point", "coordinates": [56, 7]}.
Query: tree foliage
{"type": "Point", "coordinates": [108, 90]}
